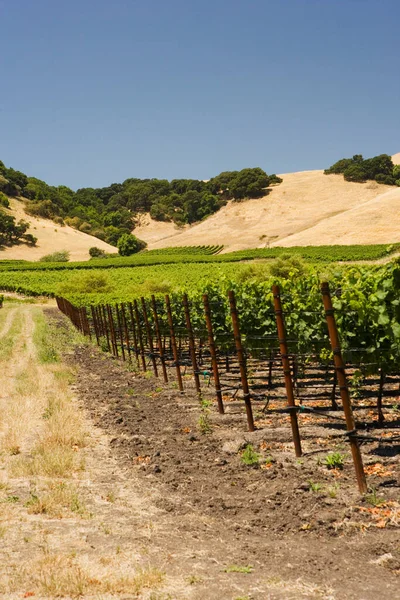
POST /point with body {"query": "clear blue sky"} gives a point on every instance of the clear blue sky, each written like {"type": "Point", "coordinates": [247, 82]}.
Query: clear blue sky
{"type": "Point", "coordinates": [96, 91]}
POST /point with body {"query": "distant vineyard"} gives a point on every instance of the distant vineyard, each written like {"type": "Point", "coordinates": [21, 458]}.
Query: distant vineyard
{"type": "Point", "coordinates": [183, 250]}
{"type": "Point", "coordinates": [211, 254]}
{"type": "Point", "coordinates": [318, 253]}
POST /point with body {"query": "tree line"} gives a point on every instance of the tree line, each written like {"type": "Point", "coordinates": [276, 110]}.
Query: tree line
{"type": "Point", "coordinates": [110, 212]}
{"type": "Point", "coordinates": [379, 168]}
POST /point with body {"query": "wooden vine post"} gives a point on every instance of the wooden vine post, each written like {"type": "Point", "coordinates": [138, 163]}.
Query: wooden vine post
{"type": "Point", "coordinates": [241, 360]}
{"type": "Point", "coordinates": [126, 331]}
{"type": "Point", "coordinates": [139, 331]}
{"type": "Point", "coordinates": [104, 316]}
{"type": "Point", "coordinates": [149, 336]}
{"type": "Point", "coordinates": [135, 341]}
{"type": "Point", "coordinates": [192, 346]}
{"type": "Point", "coordinates": [121, 337]}
{"type": "Point", "coordinates": [280, 325]}
{"type": "Point", "coordinates": [173, 343]}
{"type": "Point", "coordinates": [95, 325]}
{"type": "Point", "coordinates": [159, 339]}
{"type": "Point", "coordinates": [213, 354]}
{"type": "Point", "coordinates": [112, 331]}
{"type": "Point", "coordinates": [344, 391]}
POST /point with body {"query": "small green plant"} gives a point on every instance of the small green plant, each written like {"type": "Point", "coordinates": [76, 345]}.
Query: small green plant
{"type": "Point", "coordinates": [204, 424]}
{"type": "Point", "coordinates": [192, 579]}
{"type": "Point", "coordinates": [111, 497]}
{"type": "Point", "coordinates": [11, 499]}
{"type": "Point", "coordinates": [249, 456]}
{"type": "Point", "coordinates": [334, 461]}
{"type": "Point", "coordinates": [333, 490]}
{"type": "Point", "coordinates": [356, 382]}
{"type": "Point", "coordinates": [314, 487]}
{"type": "Point", "coordinates": [373, 498]}
{"type": "Point", "coordinates": [239, 569]}
{"type": "Point", "coordinates": [205, 404]}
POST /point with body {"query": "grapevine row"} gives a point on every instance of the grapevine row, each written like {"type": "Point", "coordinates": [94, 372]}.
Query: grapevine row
{"type": "Point", "coordinates": [181, 334]}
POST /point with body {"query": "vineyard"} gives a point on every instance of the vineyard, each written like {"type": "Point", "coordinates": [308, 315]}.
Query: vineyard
{"type": "Point", "coordinates": [273, 351]}
{"type": "Point", "coordinates": [212, 254]}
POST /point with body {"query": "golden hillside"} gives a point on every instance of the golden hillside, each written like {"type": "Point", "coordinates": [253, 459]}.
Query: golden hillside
{"type": "Point", "coordinates": [51, 238]}
{"type": "Point", "coordinates": [307, 208]}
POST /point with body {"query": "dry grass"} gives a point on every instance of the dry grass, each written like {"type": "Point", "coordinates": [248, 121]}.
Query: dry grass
{"type": "Point", "coordinates": [43, 435]}
{"type": "Point", "coordinates": [14, 320]}
{"type": "Point", "coordinates": [307, 208]}
{"type": "Point", "coordinates": [51, 238]}
{"type": "Point", "coordinates": [48, 461]}
{"type": "Point", "coordinates": [61, 576]}
{"type": "Point", "coordinates": [58, 500]}
{"type": "Point", "coordinates": [50, 409]}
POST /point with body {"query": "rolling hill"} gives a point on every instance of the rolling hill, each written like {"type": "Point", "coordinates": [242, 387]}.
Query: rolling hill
{"type": "Point", "coordinates": [51, 238]}
{"type": "Point", "coordinates": [307, 208]}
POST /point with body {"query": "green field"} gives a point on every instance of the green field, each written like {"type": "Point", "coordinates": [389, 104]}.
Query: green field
{"type": "Point", "coordinates": [366, 295]}
{"type": "Point", "coordinates": [121, 279]}
{"type": "Point", "coordinates": [211, 254]}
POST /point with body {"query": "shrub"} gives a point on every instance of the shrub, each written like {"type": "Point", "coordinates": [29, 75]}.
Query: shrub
{"type": "Point", "coordinates": [4, 201]}
{"type": "Point", "coordinates": [85, 284]}
{"type": "Point", "coordinates": [59, 221]}
{"type": "Point", "coordinates": [8, 188]}
{"type": "Point", "coordinates": [379, 168]}
{"type": "Point", "coordinates": [355, 173]}
{"type": "Point", "coordinates": [95, 252]}
{"type": "Point", "coordinates": [129, 244]}
{"type": "Point", "coordinates": [74, 222]}
{"type": "Point", "coordinates": [30, 239]}
{"type": "Point", "coordinates": [44, 209]}
{"type": "Point", "coordinates": [287, 266]}
{"type": "Point", "coordinates": [386, 179]}
{"type": "Point", "coordinates": [60, 256]}
{"type": "Point", "coordinates": [85, 227]}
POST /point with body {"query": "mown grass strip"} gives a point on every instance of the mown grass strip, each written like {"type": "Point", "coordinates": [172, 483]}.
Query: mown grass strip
{"type": "Point", "coordinates": [8, 341]}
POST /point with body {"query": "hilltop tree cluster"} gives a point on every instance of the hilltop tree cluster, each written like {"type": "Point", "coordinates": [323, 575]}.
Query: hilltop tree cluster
{"type": "Point", "coordinates": [109, 213]}
{"type": "Point", "coordinates": [11, 231]}
{"type": "Point", "coordinates": [379, 168]}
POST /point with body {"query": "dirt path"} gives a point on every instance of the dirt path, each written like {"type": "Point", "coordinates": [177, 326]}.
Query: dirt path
{"type": "Point", "coordinates": [162, 511]}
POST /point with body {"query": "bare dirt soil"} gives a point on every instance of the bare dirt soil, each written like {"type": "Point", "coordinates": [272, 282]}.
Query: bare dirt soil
{"type": "Point", "coordinates": [282, 529]}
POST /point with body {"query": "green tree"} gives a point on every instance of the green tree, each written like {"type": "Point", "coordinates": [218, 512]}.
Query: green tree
{"type": "Point", "coordinates": [4, 201]}
{"type": "Point", "coordinates": [355, 172]}
{"type": "Point", "coordinates": [95, 252]}
{"type": "Point", "coordinates": [249, 183]}
{"type": "Point", "coordinates": [129, 244]}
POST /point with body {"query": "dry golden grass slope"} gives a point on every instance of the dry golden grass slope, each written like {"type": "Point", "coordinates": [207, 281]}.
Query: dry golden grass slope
{"type": "Point", "coordinates": [51, 238]}
{"type": "Point", "coordinates": [308, 208]}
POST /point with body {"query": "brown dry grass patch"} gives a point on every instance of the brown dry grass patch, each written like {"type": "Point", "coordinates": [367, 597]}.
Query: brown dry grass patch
{"type": "Point", "coordinates": [61, 576]}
